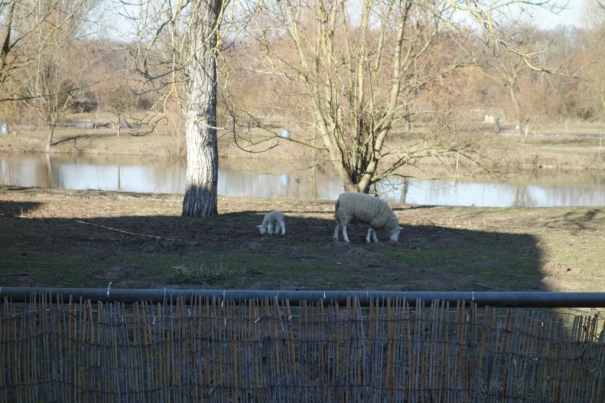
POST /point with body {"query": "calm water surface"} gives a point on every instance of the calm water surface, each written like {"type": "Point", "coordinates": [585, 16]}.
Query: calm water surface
{"type": "Point", "coordinates": [295, 180]}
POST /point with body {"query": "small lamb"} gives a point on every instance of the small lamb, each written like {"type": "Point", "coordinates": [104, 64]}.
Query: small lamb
{"type": "Point", "coordinates": [273, 217]}
{"type": "Point", "coordinates": [368, 209]}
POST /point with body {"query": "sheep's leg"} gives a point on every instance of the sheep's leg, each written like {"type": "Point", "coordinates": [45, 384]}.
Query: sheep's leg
{"type": "Point", "coordinates": [270, 229]}
{"type": "Point", "coordinates": [344, 233]}
{"type": "Point", "coordinates": [283, 227]}
{"type": "Point", "coordinates": [371, 234]}
{"type": "Point", "coordinates": [336, 231]}
{"type": "Point", "coordinates": [368, 237]}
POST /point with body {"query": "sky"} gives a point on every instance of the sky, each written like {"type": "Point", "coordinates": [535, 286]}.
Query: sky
{"type": "Point", "coordinates": [570, 16]}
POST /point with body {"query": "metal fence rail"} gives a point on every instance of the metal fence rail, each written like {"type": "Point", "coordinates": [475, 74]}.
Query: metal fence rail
{"type": "Point", "coordinates": [499, 299]}
{"type": "Point", "coordinates": [266, 350]}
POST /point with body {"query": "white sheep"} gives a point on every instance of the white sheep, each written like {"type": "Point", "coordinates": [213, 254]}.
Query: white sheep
{"type": "Point", "coordinates": [368, 209]}
{"type": "Point", "coordinates": [273, 217]}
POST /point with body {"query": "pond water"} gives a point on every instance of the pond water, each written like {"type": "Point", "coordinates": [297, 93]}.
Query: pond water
{"type": "Point", "coordinates": [269, 178]}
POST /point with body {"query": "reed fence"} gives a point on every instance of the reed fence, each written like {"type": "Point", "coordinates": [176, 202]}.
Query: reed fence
{"type": "Point", "coordinates": [265, 350]}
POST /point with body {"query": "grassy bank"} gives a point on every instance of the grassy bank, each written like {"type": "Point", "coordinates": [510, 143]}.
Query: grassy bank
{"type": "Point", "coordinates": [558, 147]}
{"type": "Point", "coordinates": [58, 238]}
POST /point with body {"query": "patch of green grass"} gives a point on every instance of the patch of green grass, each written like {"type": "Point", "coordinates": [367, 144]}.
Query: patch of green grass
{"type": "Point", "coordinates": [201, 273]}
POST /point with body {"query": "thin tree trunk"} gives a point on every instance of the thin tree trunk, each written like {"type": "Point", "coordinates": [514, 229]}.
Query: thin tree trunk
{"type": "Point", "coordinates": [50, 136]}
{"type": "Point", "coordinates": [200, 127]}
{"type": "Point", "coordinates": [364, 185]}
{"type": "Point", "coordinates": [314, 175]}
{"type": "Point", "coordinates": [404, 191]}
{"type": "Point", "coordinates": [517, 111]}
{"type": "Point", "coordinates": [366, 179]}
{"type": "Point", "coordinates": [94, 127]}
{"type": "Point", "coordinates": [525, 132]}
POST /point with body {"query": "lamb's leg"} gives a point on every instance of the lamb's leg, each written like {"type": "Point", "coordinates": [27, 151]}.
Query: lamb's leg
{"type": "Point", "coordinates": [282, 224]}
{"type": "Point", "coordinates": [270, 229]}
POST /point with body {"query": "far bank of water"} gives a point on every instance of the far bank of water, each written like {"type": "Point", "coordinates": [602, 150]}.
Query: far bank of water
{"type": "Point", "coordinates": [294, 179]}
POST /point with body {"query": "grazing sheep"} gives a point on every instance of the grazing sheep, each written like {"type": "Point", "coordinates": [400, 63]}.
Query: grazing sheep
{"type": "Point", "coordinates": [273, 217]}
{"type": "Point", "coordinates": [368, 209]}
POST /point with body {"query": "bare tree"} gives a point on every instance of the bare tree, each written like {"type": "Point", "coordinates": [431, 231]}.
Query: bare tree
{"type": "Point", "coordinates": [50, 92]}
{"type": "Point", "coordinates": [28, 31]}
{"type": "Point", "coordinates": [177, 54]}
{"type": "Point", "coordinates": [121, 100]}
{"type": "Point", "coordinates": [592, 55]}
{"type": "Point", "coordinates": [511, 69]}
{"type": "Point", "coordinates": [55, 62]}
{"type": "Point", "coordinates": [360, 69]}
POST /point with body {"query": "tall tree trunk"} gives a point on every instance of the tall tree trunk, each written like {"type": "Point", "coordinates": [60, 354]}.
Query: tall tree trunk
{"type": "Point", "coordinates": [49, 173]}
{"type": "Point", "coordinates": [200, 127]}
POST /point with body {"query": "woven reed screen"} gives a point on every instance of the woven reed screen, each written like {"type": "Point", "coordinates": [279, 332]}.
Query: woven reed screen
{"type": "Point", "coordinates": [269, 351]}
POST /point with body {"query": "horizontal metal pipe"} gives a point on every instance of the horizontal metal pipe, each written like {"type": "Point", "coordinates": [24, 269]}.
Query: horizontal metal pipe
{"type": "Point", "coordinates": [494, 299]}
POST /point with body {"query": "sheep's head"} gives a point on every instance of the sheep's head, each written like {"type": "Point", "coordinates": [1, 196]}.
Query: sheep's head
{"type": "Point", "coordinates": [261, 229]}
{"type": "Point", "coordinates": [394, 235]}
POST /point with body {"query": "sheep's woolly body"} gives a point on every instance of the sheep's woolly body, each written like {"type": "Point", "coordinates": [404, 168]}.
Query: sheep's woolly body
{"type": "Point", "coordinates": [368, 209]}
{"type": "Point", "coordinates": [273, 217]}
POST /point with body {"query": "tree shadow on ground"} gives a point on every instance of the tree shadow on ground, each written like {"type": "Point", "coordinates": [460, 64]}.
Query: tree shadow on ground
{"type": "Point", "coordinates": [228, 252]}
{"type": "Point", "coordinates": [579, 221]}
{"type": "Point", "coordinates": [14, 209]}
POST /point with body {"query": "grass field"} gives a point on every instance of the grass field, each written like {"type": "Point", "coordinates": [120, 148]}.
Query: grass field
{"type": "Point", "coordinates": [59, 238]}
